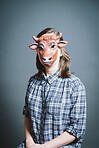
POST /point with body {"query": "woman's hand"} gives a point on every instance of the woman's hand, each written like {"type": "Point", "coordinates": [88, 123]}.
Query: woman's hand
{"type": "Point", "coordinates": [36, 146]}
{"type": "Point", "coordinates": [29, 143]}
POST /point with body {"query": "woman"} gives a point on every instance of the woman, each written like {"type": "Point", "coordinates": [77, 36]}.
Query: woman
{"type": "Point", "coordinates": [55, 103]}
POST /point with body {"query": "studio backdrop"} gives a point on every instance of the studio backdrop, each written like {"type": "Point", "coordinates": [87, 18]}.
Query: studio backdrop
{"type": "Point", "coordinates": [78, 20]}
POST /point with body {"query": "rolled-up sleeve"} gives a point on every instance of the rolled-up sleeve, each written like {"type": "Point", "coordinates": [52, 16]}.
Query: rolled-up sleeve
{"type": "Point", "coordinates": [77, 125]}
{"type": "Point", "coordinates": [25, 108]}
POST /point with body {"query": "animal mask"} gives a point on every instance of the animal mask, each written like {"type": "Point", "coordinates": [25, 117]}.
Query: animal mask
{"type": "Point", "coordinates": [47, 47]}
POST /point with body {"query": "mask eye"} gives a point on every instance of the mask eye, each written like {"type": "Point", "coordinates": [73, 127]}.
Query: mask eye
{"type": "Point", "coordinates": [40, 46]}
{"type": "Point", "coordinates": [53, 45]}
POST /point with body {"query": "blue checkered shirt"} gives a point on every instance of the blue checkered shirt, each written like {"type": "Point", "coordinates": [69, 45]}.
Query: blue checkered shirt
{"type": "Point", "coordinates": [55, 105]}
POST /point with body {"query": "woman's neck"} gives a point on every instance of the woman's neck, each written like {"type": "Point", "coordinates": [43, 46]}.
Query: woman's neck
{"type": "Point", "coordinates": [51, 70]}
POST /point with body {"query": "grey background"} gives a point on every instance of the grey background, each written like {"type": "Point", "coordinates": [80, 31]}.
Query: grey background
{"type": "Point", "coordinates": [20, 19]}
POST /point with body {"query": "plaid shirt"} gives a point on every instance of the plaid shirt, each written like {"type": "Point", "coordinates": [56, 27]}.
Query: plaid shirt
{"type": "Point", "coordinates": [55, 105]}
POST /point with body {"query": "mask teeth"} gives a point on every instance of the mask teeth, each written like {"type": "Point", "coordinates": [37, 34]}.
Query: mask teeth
{"type": "Point", "coordinates": [48, 61]}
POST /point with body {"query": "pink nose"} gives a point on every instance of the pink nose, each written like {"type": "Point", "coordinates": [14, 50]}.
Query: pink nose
{"type": "Point", "coordinates": [45, 59]}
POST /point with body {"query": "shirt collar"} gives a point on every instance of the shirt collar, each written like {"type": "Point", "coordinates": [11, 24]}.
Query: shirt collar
{"type": "Point", "coordinates": [51, 78]}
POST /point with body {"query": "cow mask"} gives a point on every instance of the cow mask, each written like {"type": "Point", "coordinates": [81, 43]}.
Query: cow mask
{"type": "Point", "coordinates": [47, 47]}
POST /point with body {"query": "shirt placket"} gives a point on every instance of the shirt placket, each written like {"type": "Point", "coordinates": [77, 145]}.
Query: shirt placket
{"type": "Point", "coordinates": [43, 115]}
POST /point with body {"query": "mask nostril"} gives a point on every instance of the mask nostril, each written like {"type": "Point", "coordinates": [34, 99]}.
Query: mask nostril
{"type": "Point", "coordinates": [43, 59]}
{"type": "Point", "coordinates": [50, 58]}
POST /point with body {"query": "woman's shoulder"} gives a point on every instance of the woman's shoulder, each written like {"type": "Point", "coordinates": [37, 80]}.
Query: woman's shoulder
{"type": "Point", "coordinates": [75, 81]}
{"type": "Point", "coordinates": [35, 79]}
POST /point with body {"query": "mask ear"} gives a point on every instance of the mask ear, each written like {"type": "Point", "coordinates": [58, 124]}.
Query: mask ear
{"type": "Point", "coordinates": [62, 44]}
{"type": "Point", "coordinates": [33, 46]}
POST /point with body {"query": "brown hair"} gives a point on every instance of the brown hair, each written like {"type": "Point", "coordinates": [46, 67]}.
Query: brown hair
{"type": "Point", "coordinates": [64, 59]}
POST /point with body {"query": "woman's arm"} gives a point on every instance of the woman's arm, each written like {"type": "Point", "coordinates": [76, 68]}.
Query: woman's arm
{"type": "Point", "coordinates": [64, 139]}
{"type": "Point", "coordinates": [27, 128]}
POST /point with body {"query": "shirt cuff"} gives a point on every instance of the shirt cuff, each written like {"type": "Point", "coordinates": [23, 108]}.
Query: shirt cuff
{"type": "Point", "coordinates": [73, 131]}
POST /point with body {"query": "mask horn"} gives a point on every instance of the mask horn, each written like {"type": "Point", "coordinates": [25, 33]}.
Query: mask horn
{"type": "Point", "coordinates": [35, 38]}
{"type": "Point", "coordinates": [59, 36]}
